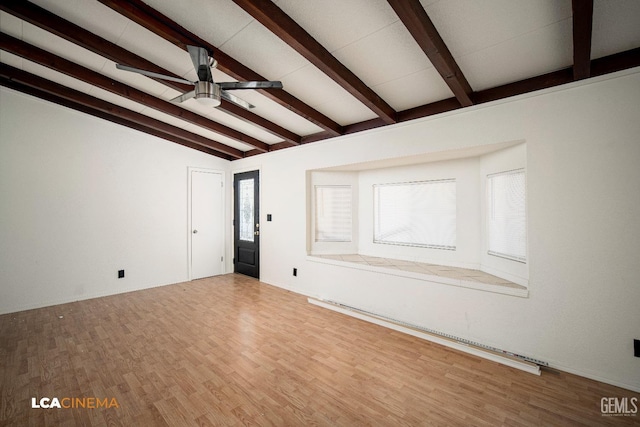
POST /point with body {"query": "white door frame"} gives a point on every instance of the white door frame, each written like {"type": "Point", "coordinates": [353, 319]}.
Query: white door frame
{"type": "Point", "coordinates": [223, 211]}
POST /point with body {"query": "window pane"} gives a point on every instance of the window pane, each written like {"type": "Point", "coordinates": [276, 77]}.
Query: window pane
{"type": "Point", "coordinates": [245, 188]}
{"type": "Point", "coordinates": [507, 215]}
{"type": "Point", "coordinates": [416, 214]}
{"type": "Point", "coordinates": [333, 213]}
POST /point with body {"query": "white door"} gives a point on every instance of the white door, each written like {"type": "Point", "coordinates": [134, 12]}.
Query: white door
{"type": "Point", "coordinates": [207, 224]}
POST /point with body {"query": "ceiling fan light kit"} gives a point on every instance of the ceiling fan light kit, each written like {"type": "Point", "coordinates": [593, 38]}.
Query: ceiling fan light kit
{"type": "Point", "coordinates": [206, 91]}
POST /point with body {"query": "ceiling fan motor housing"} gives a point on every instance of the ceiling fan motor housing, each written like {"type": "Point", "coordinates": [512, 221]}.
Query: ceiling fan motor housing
{"type": "Point", "coordinates": [208, 92]}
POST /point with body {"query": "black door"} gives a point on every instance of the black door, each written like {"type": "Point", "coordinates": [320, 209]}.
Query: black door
{"type": "Point", "coordinates": [246, 230]}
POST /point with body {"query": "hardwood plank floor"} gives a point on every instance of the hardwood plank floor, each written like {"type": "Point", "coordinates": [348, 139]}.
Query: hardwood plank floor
{"type": "Point", "coordinates": [230, 350]}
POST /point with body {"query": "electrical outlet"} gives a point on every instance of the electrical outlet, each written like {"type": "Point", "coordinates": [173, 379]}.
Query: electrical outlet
{"type": "Point", "coordinates": [295, 271]}
{"type": "Point", "coordinates": [120, 274]}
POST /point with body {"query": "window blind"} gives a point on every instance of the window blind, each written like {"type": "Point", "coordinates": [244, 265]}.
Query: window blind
{"type": "Point", "coordinates": [507, 222]}
{"type": "Point", "coordinates": [416, 214]}
{"type": "Point", "coordinates": [333, 213]}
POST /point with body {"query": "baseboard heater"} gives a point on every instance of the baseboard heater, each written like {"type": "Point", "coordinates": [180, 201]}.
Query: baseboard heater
{"type": "Point", "coordinates": [523, 363]}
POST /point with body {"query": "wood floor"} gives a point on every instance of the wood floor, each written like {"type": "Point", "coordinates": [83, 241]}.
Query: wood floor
{"type": "Point", "coordinates": [233, 351]}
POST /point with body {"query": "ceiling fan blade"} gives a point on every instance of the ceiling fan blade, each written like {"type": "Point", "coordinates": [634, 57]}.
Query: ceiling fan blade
{"type": "Point", "coordinates": [200, 59]}
{"type": "Point", "coordinates": [199, 56]}
{"type": "Point", "coordinates": [152, 74]}
{"type": "Point", "coordinates": [232, 98]}
{"type": "Point", "coordinates": [184, 96]}
{"type": "Point", "coordinates": [250, 85]}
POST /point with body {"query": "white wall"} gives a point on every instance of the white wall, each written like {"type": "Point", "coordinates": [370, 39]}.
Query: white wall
{"type": "Point", "coordinates": [583, 150]}
{"type": "Point", "coordinates": [80, 199]}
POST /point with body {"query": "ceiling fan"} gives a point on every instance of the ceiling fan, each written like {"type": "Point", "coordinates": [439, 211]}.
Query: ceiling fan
{"type": "Point", "coordinates": [205, 89]}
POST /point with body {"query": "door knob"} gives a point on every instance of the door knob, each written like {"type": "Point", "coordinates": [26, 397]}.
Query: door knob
{"type": "Point", "coordinates": [257, 233]}
{"type": "Point", "coordinates": [195, 231]}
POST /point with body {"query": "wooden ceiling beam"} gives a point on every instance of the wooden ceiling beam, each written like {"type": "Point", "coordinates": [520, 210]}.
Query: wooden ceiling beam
{"type": "Point", "coordinates": [437, 107]}
{"type": "Point", "coordinates": [52, 23]}
{"type": "Point", "coordinates": [42, 57]}
{"type": "Point", "coordinates": [532, 84]}
{"type": "Point", "coordinates": [314, 137]}
{"type": "Point", "coordinates": [616, 62]}
{"type": "Point", "coordinates": [601, 66]}
{"type": "Point", "coordinates": [166, 28]}
{"type": "Point", "coordinates": [282, 25]}
{"type": "Point", "coordinates": [54, 92]}
{"type": "Point", "coordinates": [582, 30]}
{"type": "Point", "coordinates": [415, 18]}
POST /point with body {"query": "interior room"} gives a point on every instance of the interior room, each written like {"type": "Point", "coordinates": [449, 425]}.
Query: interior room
{"type": "Point", "coordinates": [387, 212]}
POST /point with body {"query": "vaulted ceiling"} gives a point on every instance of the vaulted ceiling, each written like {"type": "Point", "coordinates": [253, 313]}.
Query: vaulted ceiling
{"type": "Point", "coordinates": [346, 66]}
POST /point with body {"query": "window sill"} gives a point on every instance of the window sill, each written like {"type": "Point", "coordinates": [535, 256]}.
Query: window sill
{"type": "Point", "coordinates": [445, 275]}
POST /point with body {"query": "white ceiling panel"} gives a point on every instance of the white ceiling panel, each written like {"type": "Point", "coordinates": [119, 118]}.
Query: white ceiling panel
{"type": "Point", "coordinates": [88, 14]}
{"type": "Point", "coordinates": [54, 76]}
{"type": "Point", "coordinates": [616, 27]}
{"type": "Point", "coordinates": [220, 116]}
{"type": "Point", "coordinates": [11, 25]}
{"type": "Point", "coordinates": [346, 112]}
{"type": "Point", "coordinates": [424, 87]}
{"type": "Point", "coordinates": [11, 59]}
{"type": "Point", "coordinates": [60, 47]}
{"type": "Point", "coordinates": [532, 54]}
{"type": "Point", "coordinates": [338, 23]}
{"type": "Point", "coordinates": [116, 99]}
{"type": "Point", "coordinates": [215, 21]}
{"type": "Point", "coordinates": [217, 137]}
{"type": "Point", "coordinates": [278, 114]}
{"type": "Point", "coordinates": [315, 88]}
{"type": "Point", "coordinates": [469, 26]}
{"type": "Point", "coordinates": [311, 86]}
{"type": "Point", "coordinates": [218, 76]}
{"type": "Point", "coordinates": [169, 94]}
{"type": "Point", "coordinates": [262, 51]}
{"type": "Point", "coordinates": [143, 42]}
{"type": "Point", "coordinates": [375, 58]}
{"type": "Point", "coordinates": [164, 117]}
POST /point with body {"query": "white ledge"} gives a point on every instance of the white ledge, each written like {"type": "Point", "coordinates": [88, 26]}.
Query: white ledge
{"type": "Point", "coordinates": [509, 288]}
